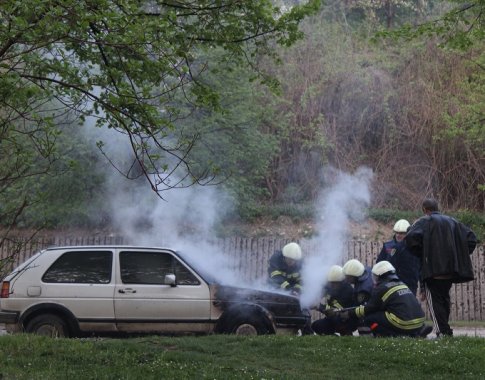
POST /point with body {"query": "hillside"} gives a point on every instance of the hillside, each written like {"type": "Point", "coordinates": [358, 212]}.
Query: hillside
{"type": "Point", "coordinates": [287, 228]}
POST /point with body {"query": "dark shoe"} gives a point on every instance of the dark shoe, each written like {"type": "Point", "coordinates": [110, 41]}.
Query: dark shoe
{"type": "Point", "coordinates": [425, 330]}
{"type": "Point", "coordinates": [448, 334]}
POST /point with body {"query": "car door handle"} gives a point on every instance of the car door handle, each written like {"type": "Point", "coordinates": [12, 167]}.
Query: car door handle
{"type": "Point", "coordinates": [128, 290]}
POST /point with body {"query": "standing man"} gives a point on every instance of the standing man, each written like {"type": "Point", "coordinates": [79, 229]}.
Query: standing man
{"type": "Point", "coordinates": [395, 251]}
{"type": "Point", "coordinates": [444, 246]}
{"type": "Point", "coordinates": [284, 269]}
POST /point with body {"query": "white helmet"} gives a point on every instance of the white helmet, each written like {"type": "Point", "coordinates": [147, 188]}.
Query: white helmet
{"type": "Point", "coordinates": [335, 274]}
{"type": "Point", "coordinates": [292, 251]}
{"type": "Point", "coordinates": [353, 268]}
{"type": "Point", "coordinates": [383, 267]}
{"type": "Point", "coordinates": [401, 225]}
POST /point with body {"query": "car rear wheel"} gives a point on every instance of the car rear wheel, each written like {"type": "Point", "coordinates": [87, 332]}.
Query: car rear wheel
{"type": "Point", "coordinates": [48, 325]}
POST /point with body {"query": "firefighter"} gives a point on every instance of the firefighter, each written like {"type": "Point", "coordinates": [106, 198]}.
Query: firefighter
{"type": "Point", "coordinates": [285, 267]}
{"type": "Point", "coordinates": [361, 278]}
{"type": "Point", "coordinates": [338, 294]}
{"type": "Point", "coordinates": [395, 251]}
{"type": "Point", "coordinates": [392, 310]}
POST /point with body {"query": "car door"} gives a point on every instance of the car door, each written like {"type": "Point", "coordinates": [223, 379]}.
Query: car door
{"type": "Point", "coordinates": [144, 303]}
{"type": "Point", "coordinates": [81, 281]}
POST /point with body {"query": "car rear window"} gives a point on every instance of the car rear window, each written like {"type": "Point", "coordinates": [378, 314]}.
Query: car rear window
{"type": "Point", "coordinates": [84, 267]}
{"type": "Point", "coordinates": [151, 268]}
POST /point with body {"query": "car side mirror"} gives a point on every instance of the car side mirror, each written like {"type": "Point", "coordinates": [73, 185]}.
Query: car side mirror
{"type": "Point", "coordinates": [170, 279]}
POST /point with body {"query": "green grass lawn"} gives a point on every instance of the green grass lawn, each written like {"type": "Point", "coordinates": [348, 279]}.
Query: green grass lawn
{"type": "Point", "coordinates": [231, 357]}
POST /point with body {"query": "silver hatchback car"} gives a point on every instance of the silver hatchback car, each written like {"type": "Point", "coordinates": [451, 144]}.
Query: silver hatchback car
{"type": "Point", "coordinates": [95, 290]}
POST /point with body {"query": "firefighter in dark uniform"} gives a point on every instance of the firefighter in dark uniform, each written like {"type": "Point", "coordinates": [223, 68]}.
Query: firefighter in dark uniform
{"type": "Point", "coordinates": [338, 294]}
{"type": "Point", "coordinates": [361, 279]}
{"type": "Point", "coordinates": [285, 269]}
{"type": "Point", "coordinates": [395, 251]}
{"type": "Point", "coordinates": [392, 310]}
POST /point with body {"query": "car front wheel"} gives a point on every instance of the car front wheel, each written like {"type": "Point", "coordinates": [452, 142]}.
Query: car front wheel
{"type": "Point", "coordinates": [249, 326]}
{"type": "Point", "coordinates": [48, 325]}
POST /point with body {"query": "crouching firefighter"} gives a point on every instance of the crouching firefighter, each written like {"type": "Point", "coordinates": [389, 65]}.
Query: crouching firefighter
{"type": "Point", "coordinates": [338, 294]}
{"type": "Point", "coordinates": [392, 309]}
{"type": "Point", "coordinates": [284, 269]}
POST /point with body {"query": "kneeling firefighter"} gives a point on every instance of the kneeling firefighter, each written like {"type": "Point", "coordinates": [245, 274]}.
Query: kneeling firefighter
{"type": "Point", "coordinates": [338, 294]}
{"type": "Point", "coordinates": [392, 309]}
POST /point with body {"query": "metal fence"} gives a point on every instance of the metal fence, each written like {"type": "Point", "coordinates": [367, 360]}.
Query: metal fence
{"type": "Point", "coordinates": [250, 258]}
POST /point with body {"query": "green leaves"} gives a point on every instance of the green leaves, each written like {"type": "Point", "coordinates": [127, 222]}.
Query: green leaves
{"type": "Point", "coordinates": [127, 61]}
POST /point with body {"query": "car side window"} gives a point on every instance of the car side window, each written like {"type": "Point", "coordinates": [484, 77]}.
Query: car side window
{"type": "Point", "coordinates": [151, 268]}
{"type": "Point", "coordinates": [83, 267]}
{"type": "Point", "coordinates": [184, 275]}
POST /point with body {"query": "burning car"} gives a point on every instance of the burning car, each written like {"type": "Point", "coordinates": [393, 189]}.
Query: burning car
{"type": "Point", "coordinates": [85, 290]}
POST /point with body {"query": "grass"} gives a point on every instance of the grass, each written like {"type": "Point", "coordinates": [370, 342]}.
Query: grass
{"type": "Point", "coordinates": [231, 357]}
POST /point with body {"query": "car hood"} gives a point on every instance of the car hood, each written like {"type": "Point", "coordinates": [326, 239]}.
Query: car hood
{"type": "Point", "coordinates": [279, 304]}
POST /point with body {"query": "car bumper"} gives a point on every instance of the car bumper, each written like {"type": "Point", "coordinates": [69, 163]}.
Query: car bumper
{"type": "Point", "coordinates": [9, 317]}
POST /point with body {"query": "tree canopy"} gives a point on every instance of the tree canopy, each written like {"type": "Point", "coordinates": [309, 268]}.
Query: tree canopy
{"type": "Point", "coordinates": [126, 65]}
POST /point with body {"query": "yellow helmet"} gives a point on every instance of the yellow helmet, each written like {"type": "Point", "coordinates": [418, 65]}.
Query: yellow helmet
{"type": "Point", "coordinates": [292, 251]}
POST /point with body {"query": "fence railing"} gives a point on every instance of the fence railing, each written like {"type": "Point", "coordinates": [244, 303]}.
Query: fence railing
{"type": "Point", "coordinates": [250, 258]}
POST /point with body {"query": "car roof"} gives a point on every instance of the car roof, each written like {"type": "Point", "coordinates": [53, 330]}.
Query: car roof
{"type": "Point", "coordinates": [107, 246]}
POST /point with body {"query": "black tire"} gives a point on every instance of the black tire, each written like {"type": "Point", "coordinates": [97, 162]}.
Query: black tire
{"type": "Point", "coordinates": [250, 325]}
{"type": "Point", "coordinates": [48, 325]}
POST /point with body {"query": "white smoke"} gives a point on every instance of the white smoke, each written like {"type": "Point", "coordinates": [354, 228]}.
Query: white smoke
{"type": "Point", "coordinates": [183, 220]}
{"type": "Point", "coordinates": [346, 200]}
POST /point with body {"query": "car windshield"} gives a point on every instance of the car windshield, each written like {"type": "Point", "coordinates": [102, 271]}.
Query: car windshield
{"type": "Point", "coordinates": [198, 266]}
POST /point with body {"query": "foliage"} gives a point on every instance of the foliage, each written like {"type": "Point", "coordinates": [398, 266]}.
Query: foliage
{"type": "Point", "coordinates": [475, 220]}
{"type": "Point", "coordinates": [460, 27]}
{"type": "Point", "coordinates": [230, 357]}
{"type": "Point", "coordinates": [457, 133]}
{"type": "Point", "coordinates": [411, 112]}
{"type": "Point", "coordinates": [232, 139]}
{"type": "Point", "coordinates": [390, 216]}
{"type": "Point", "coordinates": [123, 63]}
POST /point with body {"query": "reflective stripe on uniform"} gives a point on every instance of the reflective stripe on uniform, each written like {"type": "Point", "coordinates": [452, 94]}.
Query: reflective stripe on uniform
{"type": "Point", "coordinates": [359, 311]}
{"type": "Point", "coordinates": [293, 275]}
{"type": "Point", "coordinates": [404, 325]}
{"type": "Point", "coordinates": [336, 305]}
{"type": "Point", "coordinates": [284, 284]}
{"type": "Point", "coordinates": [391, 291]}
{"type": "Point", "coordinates": [277, 273]}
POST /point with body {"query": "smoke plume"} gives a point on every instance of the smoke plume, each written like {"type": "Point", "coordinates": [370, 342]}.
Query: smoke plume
{"type": "Point", "coordinates": [185, 219]}
{"type": "Point", "coordinates": [344, 201]}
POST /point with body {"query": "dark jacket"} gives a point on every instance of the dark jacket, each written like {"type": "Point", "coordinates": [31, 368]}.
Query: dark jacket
{"type": "Point", "coordinates": [363, 287]}
{"type": "Point", "coordinates": [393, 297]}
{"type": "Point", "coordinates": [407, 265]}
{"type": "Point", "coordinates": [444, 246]}
{"type": "Point", "coordinates": [281, 275]}
{"type": "Point", "coordinates": [338, 297]}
